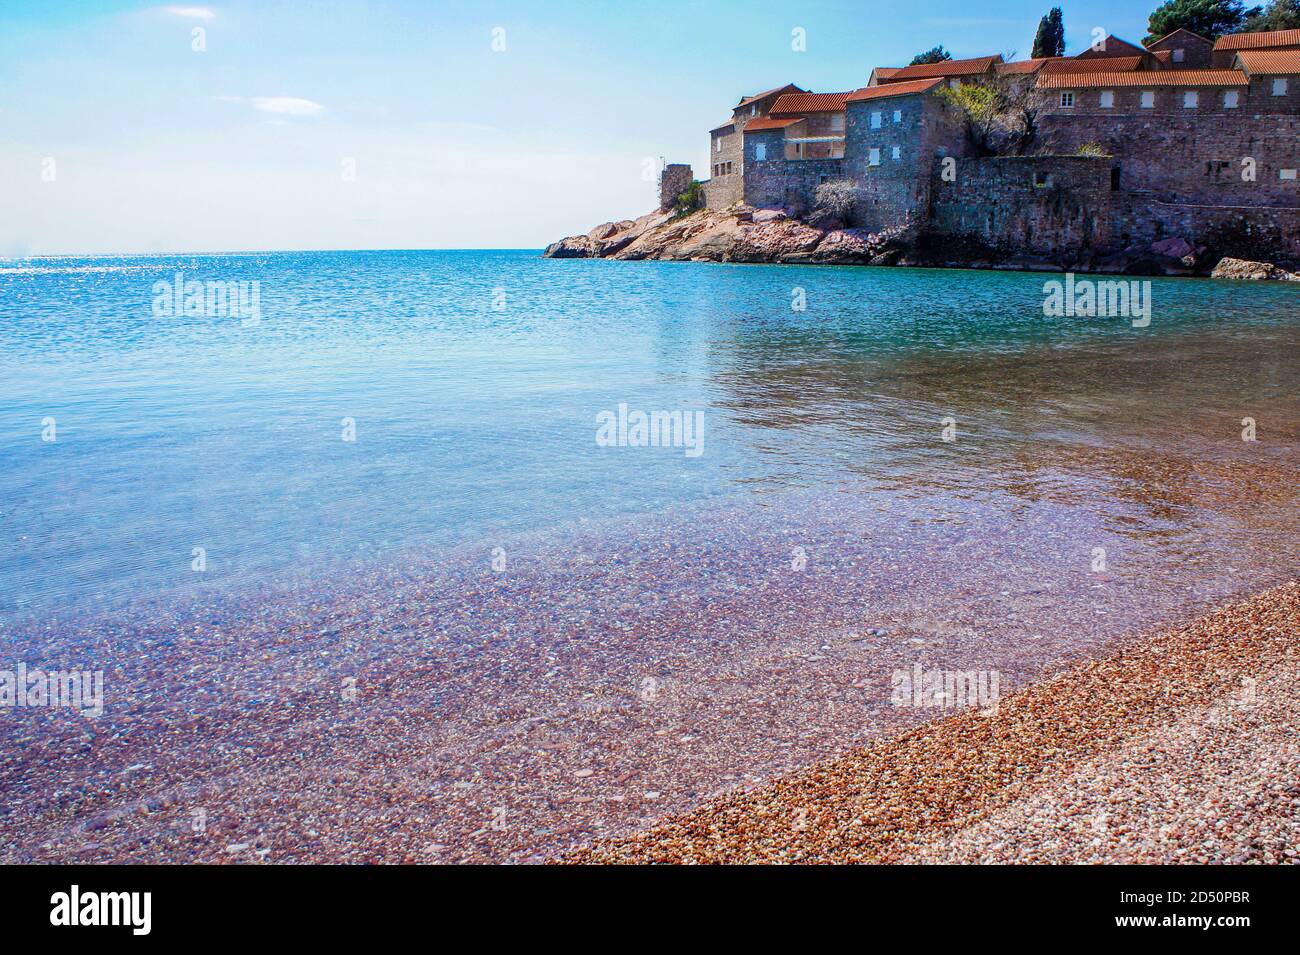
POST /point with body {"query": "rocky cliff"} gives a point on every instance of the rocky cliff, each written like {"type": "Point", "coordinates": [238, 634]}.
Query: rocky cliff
{"type": "Point", "coordinates": [738, 234]}
{"type": "Point", "coordinates": [744, 234]}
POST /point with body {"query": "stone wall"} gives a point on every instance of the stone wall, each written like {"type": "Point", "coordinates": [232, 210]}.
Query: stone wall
{"type": "Point", "coordinates": [673, 181]}
{"type": "Point", "coordinates": [922, 129]}
{"type": "Point", "coordinates": [1252, 232]}
{"type": "Point", "coordinates": [1039, 205]}
{"type": "Point", "coordinates": [775, 182]}
{"type": "Point", "coordinates": [1194, 156]}
{"type": "Point", "coordinates": [1196, 50]}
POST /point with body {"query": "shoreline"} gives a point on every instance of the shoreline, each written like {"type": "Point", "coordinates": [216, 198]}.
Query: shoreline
{"type": "Point", "coordinates": [742, 234]}
{"type": "Point", "coordinates": [1204, 704]}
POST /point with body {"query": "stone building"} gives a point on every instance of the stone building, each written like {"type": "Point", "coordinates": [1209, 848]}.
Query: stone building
{"type": "Point", "coordinates": [1181, 138]}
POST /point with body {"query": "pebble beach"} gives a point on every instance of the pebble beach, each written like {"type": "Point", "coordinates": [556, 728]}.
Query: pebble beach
{"type": "Point", "coordinates": [474, 635]}
{"type": "Point", "coordinates": [1182, 749]}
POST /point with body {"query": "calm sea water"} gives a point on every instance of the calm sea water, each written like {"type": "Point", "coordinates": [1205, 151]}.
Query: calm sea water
{"type": "Point", "coordinates": [475, 380]}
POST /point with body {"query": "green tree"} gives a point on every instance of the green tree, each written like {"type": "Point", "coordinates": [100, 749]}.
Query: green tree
{"type": "Point", "coordinates": [1050, 39]}
{"type": "Point", "coordinates": [1210, 18]}
{"type": "Point", "coordinates": [1278, 15]}
{"type": "Point", "coordinates": [937, 55]}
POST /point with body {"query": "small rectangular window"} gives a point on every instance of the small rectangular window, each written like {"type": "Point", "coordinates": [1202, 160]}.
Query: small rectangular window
{"type": "Point", "coordinates": [1286, 173]}
{"type": "Point", "coordinates": [1067, 98]}
{"type": "Point", "coordinates": [898, 115]}
{"type": "Point", "coordinates": [873, 157]}
{"type": "Point", "coordinates": [760, 151]}
{"type": "Point", "coordinates": [896, 152]}
{"type": "Point", "coordinates": [1230, 99]}
{"type": "Point", "coordinates": [1107, 99]}
{"type": "Point", "coordinates": [717, 145]}
{"type": "Point", "coordinates": [1279, 86]}
{"type": "Point", "coordinates": [875, 120]}
{"type": "Point", "coordinates": [1190, 99]}
{"type": "Point", "coordinates": [1148, 99]}
{"type": "Point", "coordinates": [837, 121]}
{"type": "Point", "coordinates": [1178, 55]}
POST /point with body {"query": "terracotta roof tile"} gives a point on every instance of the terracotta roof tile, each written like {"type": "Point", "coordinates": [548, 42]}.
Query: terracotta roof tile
{"type": "Point", "coordinates": [980, 64]}
{"type": "Point", "coordinates": [1084, 81]}
{"type": "Point", "coordinates": [1022, 67]}
{"type": "Point", "coordinates": [764, 123]}
{"type": "Point", "coordinates": [1257, 41]}
{"type": "Point", "coordinates": [788, 88]}
{"type": "Point", "coordinates": [1269, 62]}
{"type": "Point", "coordinates": [809, 103]}
{"type": "Point", "coordinates": [886, 90]}
{"type": "Point", "coordinates": [1096, 64]}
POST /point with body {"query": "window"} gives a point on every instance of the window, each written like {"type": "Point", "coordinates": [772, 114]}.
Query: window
{"type": "Point", "coordinates": [760, 151]}
{"type": "Point", "coordinates": [1067, 98]}
{"type": "Point", "coordinates": [895, 152]}
{"type": "Point", "coordinates": [1190, 99]}
{"type": "Point", "coordinates": [753, 110]}
{"type": "Point", "coordinates": [1230, 99]}
{"type": "Point", "coordinates": [954, 83]}
{"type": "Point", "coordinates": [1107, 99]}
{"type": "Point", "coordinates": [1279, 86]}
{"type": "Point", "coordinates": [1148, 99]}
{"type": "Point", "coordinates": [1179, 54]}
{"type": "Point", "coordinates": [873, 157]}
{"type": "Point", "coordinates": [875, 119]}
{"type": "Point", "coordinates": [837, 121]}
{"type": "Point", "coordinates": [1114, 178]}
{"type": "Point", "coordinates": [898, 115]}
{"type": "Point", "coordinates": [717, 145]}
{"type": "Point", "coordinates": [1286, 174]}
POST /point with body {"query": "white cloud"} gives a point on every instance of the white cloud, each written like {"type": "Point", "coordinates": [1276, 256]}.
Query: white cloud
{"type": "Point", "coordinates": [279, 105]}
{"type": "Point", "coordinates": [191, 13]}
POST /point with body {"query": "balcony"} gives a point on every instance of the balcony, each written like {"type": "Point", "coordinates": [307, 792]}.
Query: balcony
{"type": "Point", "coordinates": [815, 147]}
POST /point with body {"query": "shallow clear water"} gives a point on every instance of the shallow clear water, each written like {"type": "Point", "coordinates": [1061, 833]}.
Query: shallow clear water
{"type": "Point", "coordinates": [475, 380]}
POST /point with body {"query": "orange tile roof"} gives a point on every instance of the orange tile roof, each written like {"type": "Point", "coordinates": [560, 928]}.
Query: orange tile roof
{"type": "Point", "coordinates": [1256, 41]}
{"type": "Point", "coordinates": [746, 100]}
{"type": "Point", "coordinates": [886, 90]}
{"type": "Point", "coordinates": [809, 103]}
{"type": "Point", "coordinates": [1164, 56]}
{"type": "Point", "coordinates": [1020, 67]}
{"type": "Point", "coordinates": [980, 64]}
{"type": "Point", "coordinates": [1078, 81]}
{"type": "Point", "coordinates": [764, 123]}
{"type": "Point", "coordinates": [1269, 61]}
{"type": "Point", "coordinates": [1096, 64]}
{"type": "Point", "coordinates": [885, 72]}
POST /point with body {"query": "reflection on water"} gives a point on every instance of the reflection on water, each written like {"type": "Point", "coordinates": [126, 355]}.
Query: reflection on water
{"type": "Point", "coordinates": [478, 422]}
{"type": "Point", "coordinates": [764, 592]}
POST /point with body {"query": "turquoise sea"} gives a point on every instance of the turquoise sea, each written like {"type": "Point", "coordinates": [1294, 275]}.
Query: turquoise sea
{"type": "Point", "coordinates": [474, 382]}
{"type": "Point", "coordinates": [376, 566]}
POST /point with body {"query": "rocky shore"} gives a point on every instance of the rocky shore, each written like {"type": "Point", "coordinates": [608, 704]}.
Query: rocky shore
{"type": "Point", "coordinates": [1181, 749]}
{"type": "Point", "coordinates": [746, 235]}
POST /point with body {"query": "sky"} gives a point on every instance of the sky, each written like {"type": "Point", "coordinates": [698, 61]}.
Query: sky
{"type": "Point", "coordinates": [413, 125]}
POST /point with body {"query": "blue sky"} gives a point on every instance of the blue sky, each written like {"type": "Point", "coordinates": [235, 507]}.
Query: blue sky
{"type": "Point", "coordinates": [157, 147]}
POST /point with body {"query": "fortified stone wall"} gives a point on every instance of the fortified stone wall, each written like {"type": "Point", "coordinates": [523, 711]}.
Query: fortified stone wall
{"type": "Point", "coordinates": [1034, 204]}
{"type": "Point", "coordinates": [1271, 233]}
{"type": "Point", "coordinates": [673, 181]}
{"type": "Point", "coordinates": [1191, 155]}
